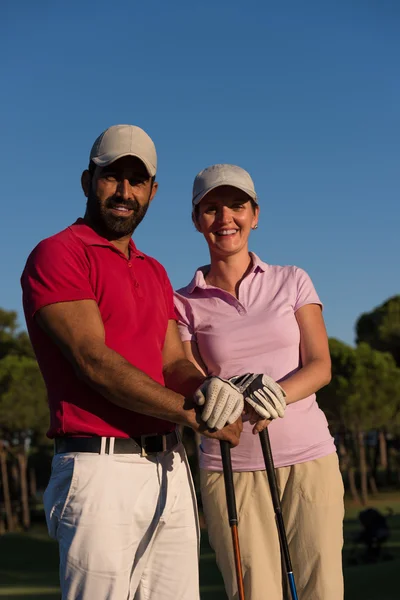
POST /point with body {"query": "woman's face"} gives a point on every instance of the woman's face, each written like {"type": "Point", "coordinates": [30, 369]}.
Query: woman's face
{"type": "Point", "coordinates": [225, 217]}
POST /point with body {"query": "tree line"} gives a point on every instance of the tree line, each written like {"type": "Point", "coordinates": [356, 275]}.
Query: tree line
{"type": "Point", "coordinates": [362, 404]}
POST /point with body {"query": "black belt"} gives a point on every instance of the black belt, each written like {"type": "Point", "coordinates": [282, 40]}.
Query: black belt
{"type": "Point", "coordinates": [144, 444]}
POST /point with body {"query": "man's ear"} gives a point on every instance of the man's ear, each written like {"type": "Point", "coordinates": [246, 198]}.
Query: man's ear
{"type": "Point", "coordinates": [86, 182]}
{"type": "Point", "coordinates": [195, 222]}
{"type": "Point", "coordinates": [153, 190]}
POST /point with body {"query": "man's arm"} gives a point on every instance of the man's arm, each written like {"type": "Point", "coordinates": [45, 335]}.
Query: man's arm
{"type": "Point", "coordinates": [77, 328]}
{"type": "Point", "coordinates": [180, 374]}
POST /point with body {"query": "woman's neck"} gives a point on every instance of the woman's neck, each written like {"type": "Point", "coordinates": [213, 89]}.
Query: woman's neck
{"type": "Point", "coordinates": [227, 273]}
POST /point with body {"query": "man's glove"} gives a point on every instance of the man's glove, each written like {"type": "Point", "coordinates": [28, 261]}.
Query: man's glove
{"type": "Point", "coordinates": [223, 402]}
{"type": "Point", "coordinates": [263, 394]}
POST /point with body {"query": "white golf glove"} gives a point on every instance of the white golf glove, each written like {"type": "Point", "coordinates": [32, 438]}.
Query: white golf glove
{"type": "Point", "coordinates": [263, 394]}
{"type": "Point", "coordinates": [223, 402]}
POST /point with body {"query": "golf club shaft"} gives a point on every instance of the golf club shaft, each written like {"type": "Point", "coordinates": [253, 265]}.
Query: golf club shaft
{"type": "Point", "coordinates": [232, 514]}
{"type": "Point", "coordinates": [269, 466]}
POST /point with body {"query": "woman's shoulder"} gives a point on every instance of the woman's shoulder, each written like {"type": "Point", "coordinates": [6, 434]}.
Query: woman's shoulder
{"type": "Point", "coordinates": [272, 269]}
{"type": "Point", "coordinates": [285, 276]}
{"type": "Point", "coordinates": [282, 271]}
{"type": "Point", "coordinates": [197, 281]}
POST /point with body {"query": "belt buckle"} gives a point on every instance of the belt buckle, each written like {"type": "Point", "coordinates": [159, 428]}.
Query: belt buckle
{"type": "Point", "coordinates": [143, 452]}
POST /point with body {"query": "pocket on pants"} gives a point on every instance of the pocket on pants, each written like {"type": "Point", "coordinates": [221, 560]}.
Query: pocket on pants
{"type": "Point", "coordinates": [60, 490]}
{"type": "Point", "coordinates": [321, 481]}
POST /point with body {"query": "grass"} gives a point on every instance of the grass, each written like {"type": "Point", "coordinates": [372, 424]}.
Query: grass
{"type": "Point", "coordinates": [377, 581]}
{"type": "Point", "coordinates": [29, 563]}
{"type": "Point", "coordinates": [29, 566]}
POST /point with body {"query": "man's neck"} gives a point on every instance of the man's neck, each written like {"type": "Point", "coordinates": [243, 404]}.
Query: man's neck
{"type": "Point", "coordinates": [122, 243]}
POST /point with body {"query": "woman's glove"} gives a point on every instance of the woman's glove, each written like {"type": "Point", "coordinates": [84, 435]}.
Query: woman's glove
{"type": "Point", "coordinates": [263, 394]}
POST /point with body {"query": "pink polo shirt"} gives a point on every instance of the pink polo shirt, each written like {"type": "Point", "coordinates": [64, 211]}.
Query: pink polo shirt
{"type": "Point", "coordinates": [256, 333]}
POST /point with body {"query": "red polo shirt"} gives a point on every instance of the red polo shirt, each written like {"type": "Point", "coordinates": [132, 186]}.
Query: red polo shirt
{"type": "Point", "coordinates": [135, 299]}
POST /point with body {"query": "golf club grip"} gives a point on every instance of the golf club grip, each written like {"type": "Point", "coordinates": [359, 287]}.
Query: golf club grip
{"type": "Point", "coordinates": [269, 467]}
{"type": "Point", "coordinates": [273, 486]}
{"type": "Point", "coordinates": [228, 477]}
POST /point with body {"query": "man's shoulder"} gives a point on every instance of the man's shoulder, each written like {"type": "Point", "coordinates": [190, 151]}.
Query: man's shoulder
{"type": "Point", "coordinates": [155, 265]}
{"type": "Point", "coordinates": [62, 240]}
{"type": "Point", "coordinates": [54, 250]}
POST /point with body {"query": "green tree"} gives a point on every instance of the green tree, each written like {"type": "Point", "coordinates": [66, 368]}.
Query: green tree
{"type": "Point", "coordinates": [364, 394]}
{"type": "Point", "coordinates": [380, 328]}
{"type": "Point", "coordinates": [23, 404]}
{"type": "Point", "coordinates": [12, 341]}
{"type": "Point", "coordinates": [333, 399]}
{"type": "Point", "coordinates": [23, 417]}
{"type": "Point", "coordinates": [374, 402]}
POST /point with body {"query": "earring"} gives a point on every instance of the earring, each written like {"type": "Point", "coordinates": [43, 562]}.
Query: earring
{"type": "Point", "coordinates": [255, 226]}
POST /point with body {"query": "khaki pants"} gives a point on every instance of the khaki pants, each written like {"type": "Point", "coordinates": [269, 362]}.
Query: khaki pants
{"type": "Point", "coordinates": [126, 526]}
{"type": "Point", "coordinates": [312, 506]}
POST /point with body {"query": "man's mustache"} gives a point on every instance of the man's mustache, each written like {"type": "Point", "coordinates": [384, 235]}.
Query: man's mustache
{"type": "Point", "coordinates": [115, 201]}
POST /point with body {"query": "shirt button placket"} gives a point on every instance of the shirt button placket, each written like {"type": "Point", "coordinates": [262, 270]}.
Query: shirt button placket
{"type": "Point", "coordinates": [135, 283]}
{"type": "Point", "coordinates": [241, 310]}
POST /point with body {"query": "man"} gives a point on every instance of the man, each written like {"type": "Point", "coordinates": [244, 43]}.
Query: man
{"type": "Point", "coordinates": [101, 320]}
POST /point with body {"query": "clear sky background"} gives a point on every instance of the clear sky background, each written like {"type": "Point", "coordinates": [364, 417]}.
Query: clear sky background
{"type": "Point", "coordinates": [305, 95]}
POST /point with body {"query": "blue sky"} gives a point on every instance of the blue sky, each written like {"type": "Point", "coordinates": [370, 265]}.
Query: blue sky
{"type": "Point", "coordinates": [304, 95]}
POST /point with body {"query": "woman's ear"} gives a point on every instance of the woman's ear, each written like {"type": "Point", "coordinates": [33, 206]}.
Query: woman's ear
{"type": "Point", "coordinates": [254, 224]}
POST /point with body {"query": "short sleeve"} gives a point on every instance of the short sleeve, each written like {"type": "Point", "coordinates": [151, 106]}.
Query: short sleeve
{"type": "Point", "coordinates": [305, 290]}
{"type": "Point", "coordinates": [184, 317]}
{"type": "Point", "coordinates": [169, 298]}
{"type": "Point", "coordinates": [55, 272]}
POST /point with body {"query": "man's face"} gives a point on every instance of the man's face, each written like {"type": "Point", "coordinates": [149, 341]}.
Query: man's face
{"type": "Point", "coordinates": [118, 196]}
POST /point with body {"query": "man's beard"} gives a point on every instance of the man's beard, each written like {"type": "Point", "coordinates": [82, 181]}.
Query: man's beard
{"type": "Point", "coordinates": [110, 225]}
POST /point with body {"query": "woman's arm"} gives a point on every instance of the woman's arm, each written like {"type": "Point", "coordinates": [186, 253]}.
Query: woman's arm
{"type": "Point", "coordinates": [315, 359]}
{"type": "Point", "coordinates": [193, 354]}
{"type": "Point", "coordinates": [315, 372]}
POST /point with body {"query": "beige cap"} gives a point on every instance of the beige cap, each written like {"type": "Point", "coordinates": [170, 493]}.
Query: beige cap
{"type": "Point", "coordinates": [217, 175]}
{"type": "Point", "coordinates": [124, 140]}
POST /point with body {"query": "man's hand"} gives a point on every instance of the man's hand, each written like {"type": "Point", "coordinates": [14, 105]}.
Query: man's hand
{"type": "Point", "coordinates": [254, 419]}
{"type": "Point", "coordinates": [223, 403]}
{"type": "Point", "coordinates": [263, 394]}
{"type": "Point", "coordinates": [229, 433]}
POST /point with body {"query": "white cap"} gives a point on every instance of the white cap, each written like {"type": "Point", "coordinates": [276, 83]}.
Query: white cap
{"type": "Point", "coordinates": [217, 175]}
{"type": "Point", "coordinates": [124, 140]}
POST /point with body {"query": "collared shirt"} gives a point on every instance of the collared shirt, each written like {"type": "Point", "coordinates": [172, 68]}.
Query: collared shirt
{"type": "Point", "coordinates": [256, 333]}
{"type": "Point", "coordinates": [135, 300]}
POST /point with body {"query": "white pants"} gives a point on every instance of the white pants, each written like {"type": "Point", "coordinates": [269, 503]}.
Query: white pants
{"type": "Point", "coordinates": [126, 526]}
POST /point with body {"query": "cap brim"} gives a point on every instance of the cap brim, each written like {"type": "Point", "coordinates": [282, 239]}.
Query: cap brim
{"type": "Point", "coordinates": [200, 196]}
{"type": "Point", "coordinates": [107, 159]}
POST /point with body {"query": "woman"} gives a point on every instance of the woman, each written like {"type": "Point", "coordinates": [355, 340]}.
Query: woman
{"type": "Point", "coordinates": [240, 315]}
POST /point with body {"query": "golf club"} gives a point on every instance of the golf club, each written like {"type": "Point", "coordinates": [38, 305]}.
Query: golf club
{"type": "Point", "coordinates": [269, 467]}
{"type": "Point", "coordinates": [232, 514]}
